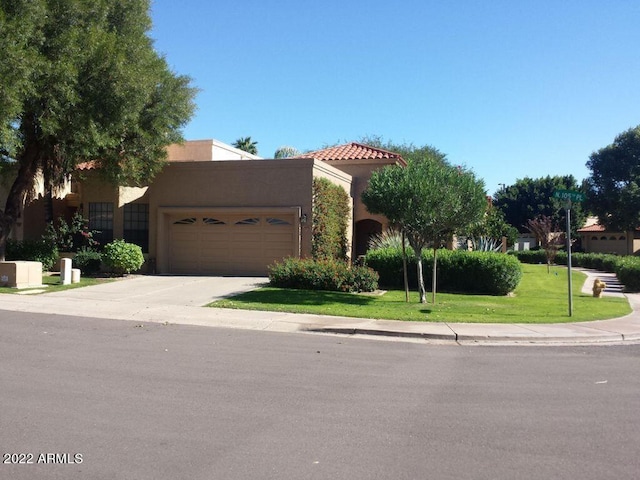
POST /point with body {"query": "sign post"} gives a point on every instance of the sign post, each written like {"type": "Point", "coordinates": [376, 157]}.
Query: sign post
{"type": "Point", "coordinates": [569, 196]}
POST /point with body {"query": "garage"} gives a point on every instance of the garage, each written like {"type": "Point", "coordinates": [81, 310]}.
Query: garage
{"type": "Point", "coordinates": [222, 243]}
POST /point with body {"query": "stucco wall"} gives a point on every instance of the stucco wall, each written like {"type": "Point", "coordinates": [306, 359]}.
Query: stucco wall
{"type": "Point", "coordinates": [360, 171]}
{"type": "Point", "coordinates": [203, 150]}
{"type": "Point", "coordinates": [620, 243]}
{"type": "Point", "coordinates": [238, 184]}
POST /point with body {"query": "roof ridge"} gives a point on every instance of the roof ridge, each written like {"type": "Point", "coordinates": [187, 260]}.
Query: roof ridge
{"type": "Point", "coordinates": [353, 151]}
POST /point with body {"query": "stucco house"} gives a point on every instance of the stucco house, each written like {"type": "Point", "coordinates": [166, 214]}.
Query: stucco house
{"type": "Point", "coordinates": [595, 238]}
{"type": "Point", "coordinates": [217, 210]}
{"type": "Point", "coordinates": [359, 161]}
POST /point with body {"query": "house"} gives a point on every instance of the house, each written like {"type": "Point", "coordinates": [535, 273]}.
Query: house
{"type": "Point", "coordinates": [214, 209]}
{"type": "Point", "coordinates": [359, 161]}
{"type": "Point", "coordinates": [595, 238]}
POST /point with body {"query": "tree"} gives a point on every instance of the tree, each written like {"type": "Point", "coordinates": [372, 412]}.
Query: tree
{"type": "Point", "coordinates": [408, 151]}
{"type": "Point", "coordinates": [493, 226]}
{"type": "Point", "coordinates": [247, 145]}
{"type": "Point", "coordinates": [546, 233]}
{"type": "Point", "coordinates": [613, 189]}
{"type": "Point", "coordinates": [286, 152]}
{"type": "Point", "coordinates": [81, 81]}
{"type": "Point", "coordinates": [430, 200]}
{"type": "Point", "coordinates": [529, 198]}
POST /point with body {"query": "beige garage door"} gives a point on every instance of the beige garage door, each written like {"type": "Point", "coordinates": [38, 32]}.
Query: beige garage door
{"type": "Point", "coordinates": [229, 244]}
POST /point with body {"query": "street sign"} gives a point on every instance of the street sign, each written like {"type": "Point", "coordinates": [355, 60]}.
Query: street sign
{"type": "Point", "coordinates": [571, 195]}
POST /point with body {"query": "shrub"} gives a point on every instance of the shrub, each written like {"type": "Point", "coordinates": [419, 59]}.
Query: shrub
{"type": "Point", "coordinates": [122, 257]}
{"type": "Point", "coordinates": [530, 256]}
{"type": "Point", "coordinates": [88, 261]}
{"type": "Point", "coordinates": [626, 268]}
{"type": "Point", "coordinates": [628, 273]}
{"type": "Point", "coordinates": [33, 250]}
{"type": "Point", "coordinates": [331, 211]}
{"type": "Point", "coordinates": [458, 271]}
{"type": "Point", "coordinates": [72, 236]}
{"type": "Point", "coordinates": [329, 275]}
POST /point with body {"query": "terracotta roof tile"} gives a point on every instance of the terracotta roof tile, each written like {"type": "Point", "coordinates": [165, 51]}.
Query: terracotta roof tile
{"type": "Point", "coordinates": [592, 228]}
{"type": "Point", "coordinates": [353, 151]}
{"type": "Point", "coordinates": [595, 228]}
{"type": "Point", "coordinates": [91, 165]}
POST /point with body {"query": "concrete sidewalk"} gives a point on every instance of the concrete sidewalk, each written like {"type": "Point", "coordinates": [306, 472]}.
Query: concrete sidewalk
{"type": "Point", "coordinates": [178, 300]}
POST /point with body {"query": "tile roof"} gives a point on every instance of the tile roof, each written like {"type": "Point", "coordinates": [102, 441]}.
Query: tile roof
{"type": "Point", "coordinates": [91, 165]}
{"type": "Point", "coordinates": [595, 228]}
{"type": "Point", "coordinates": [353, 151]}
{"type": "Point", "coordinates": [592, 228]}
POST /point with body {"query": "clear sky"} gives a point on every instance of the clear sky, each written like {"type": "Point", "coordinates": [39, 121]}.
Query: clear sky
{"type": "Point", "coordinates": [508, 88]}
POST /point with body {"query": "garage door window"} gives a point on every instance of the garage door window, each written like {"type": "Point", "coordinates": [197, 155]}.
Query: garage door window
{"type": "Point", "coordinates": [249, 221]}
{"type": "Point", "coordinates": [185, 221]}
{"type": "Point", "coordinates": [212, 221]}
{"type": "Point", "coordinates": [277, 221]}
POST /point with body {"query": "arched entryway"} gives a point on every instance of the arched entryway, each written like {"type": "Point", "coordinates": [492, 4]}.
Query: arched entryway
{"type": "Point", "coordinates": [365, 229]}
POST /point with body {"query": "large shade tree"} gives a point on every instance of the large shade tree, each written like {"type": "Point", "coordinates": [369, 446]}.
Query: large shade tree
{"type": "Point", "coordinates": [408, 151]}
{"type": "Point", "coordinates": [81, 81]}
{"type": "Point", "coordinates": [613, 189]}
{"type": "Point", "coordinates": [529, 198]}
{"type": "Point", "coordinates": [430, 200]}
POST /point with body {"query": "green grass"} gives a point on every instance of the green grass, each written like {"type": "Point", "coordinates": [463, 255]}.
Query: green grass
{"type": "Point", "coordinates": [541, 297]}
{"type": "Point", "coordinates": [53, 284]}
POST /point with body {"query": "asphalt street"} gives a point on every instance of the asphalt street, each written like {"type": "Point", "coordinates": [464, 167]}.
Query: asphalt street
{"type": "Point", "coordinates": [110, 399]}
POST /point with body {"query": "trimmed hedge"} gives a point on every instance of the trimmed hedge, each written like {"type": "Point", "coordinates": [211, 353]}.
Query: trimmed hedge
{"type": "Point", "coordinates": [459, 271]}
{"type": "Point", "coordinates": [308, 274]}
{"type": "Point", "coordinates": [626, 267]}
{"type": "Point", "coordinates": [628, 272]}
{"type": "Point", "coordinates": [34, 251]}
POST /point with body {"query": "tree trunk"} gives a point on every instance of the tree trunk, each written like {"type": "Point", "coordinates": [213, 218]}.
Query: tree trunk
{"type": "Point", "coordinates": [21, 186]}
{"type": "Point", "coordinates": [433, 276]}
{"type": "Point", "coordinates": [421, 289]}
{"type": "Point", "coordinates": [404, 269]}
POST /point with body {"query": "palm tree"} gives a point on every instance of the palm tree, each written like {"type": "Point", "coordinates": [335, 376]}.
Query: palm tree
{"type": "Point", "coordinates": [245, 144]}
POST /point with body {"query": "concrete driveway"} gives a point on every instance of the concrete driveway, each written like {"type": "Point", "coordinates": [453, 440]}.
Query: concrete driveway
{"type": "Point", "coordinates": [192, 291]}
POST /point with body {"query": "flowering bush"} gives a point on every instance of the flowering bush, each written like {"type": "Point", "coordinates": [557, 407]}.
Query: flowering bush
{"type": "Point", "coordinates": [70, 237]}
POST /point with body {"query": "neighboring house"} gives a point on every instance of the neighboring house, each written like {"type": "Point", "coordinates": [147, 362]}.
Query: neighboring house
{"type": "Point", "coordinates": [215, 209]}
{"type": "Point", "coordinates": [196, 150]}
{"type": "Point", "coordinates": [359, 161]}
{"type": "Point", "coordinates": [595, 238]}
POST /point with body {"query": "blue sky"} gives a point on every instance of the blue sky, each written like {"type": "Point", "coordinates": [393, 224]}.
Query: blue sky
{"type": "Point", "coordinates": [507, 88]}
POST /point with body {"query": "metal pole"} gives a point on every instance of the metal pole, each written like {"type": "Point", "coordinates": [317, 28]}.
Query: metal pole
{"type": "Point", "coordinates": [569, 256]}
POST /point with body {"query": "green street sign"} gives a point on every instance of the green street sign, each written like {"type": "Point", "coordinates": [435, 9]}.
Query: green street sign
{"type": "Point", "coordinates": [571, 195]}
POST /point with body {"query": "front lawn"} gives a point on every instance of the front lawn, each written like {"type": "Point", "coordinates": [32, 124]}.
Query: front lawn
{"type": "Point", "coordinates": [52, 283]}
{"type": "Point", "coordinates": [540, 298]}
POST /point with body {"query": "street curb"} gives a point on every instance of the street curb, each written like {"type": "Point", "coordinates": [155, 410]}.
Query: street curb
{"type": "Point", "coordinates": [381, 333]}
{"type": "Point", "coordinates": [477, 339]}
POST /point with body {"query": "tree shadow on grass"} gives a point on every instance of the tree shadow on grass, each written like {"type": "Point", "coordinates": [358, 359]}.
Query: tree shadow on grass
{"type": "Point", "coordinates": [274, 296]}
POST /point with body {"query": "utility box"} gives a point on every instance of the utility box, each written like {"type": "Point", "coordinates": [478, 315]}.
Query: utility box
{"type": "Point", "coordinates": [20, 274]}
